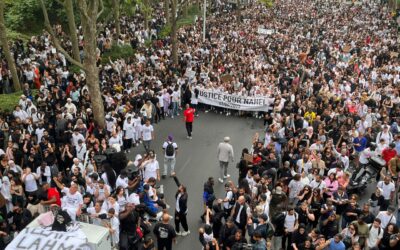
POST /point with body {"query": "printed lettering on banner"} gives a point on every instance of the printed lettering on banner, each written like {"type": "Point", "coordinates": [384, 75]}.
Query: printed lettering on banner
{"type": "Point", "coordinates": [233, 101]}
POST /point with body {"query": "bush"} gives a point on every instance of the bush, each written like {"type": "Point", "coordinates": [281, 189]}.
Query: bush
{"type": "Point", "coordinates": [117, 52]}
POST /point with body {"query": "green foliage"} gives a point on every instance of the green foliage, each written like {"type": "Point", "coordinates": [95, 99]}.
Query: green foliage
{"type": "Point", "coordinates": [268, 3]}
{"type": "Point", "coordinates": [182, 21]}
{"type": "Point", "coordinates": [117, 52]}
{"type": "Point", "coordinates": [13, 35]}
{"type": "Point", "coordinates": [22, 14]}
{"type": "Point", "coordinates": [165, 31]}
{"type": "Point", "coordinates": [9, 101]}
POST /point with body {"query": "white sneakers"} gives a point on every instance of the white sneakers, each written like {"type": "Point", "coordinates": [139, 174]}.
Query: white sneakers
{"type": "Point", "coordinates": [227, 176]}
{"type": "Point", "coordinates": [183, 233]}
{"type": "Point", "coordinates": [220, 180]}
{"type": "Point", "coordinates": [186, 233]}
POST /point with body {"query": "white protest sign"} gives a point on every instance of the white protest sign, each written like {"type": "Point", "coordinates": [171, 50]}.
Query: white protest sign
{"type": "Point", "coordinates": [262, 31]}
{"type": "Point", "coordinates": [233, 101]}
{"type": "Point", "coordinates": [38, 239]}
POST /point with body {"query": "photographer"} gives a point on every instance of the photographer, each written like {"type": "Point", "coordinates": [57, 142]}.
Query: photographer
{"type": "Point", "coordinates": [129, 221]}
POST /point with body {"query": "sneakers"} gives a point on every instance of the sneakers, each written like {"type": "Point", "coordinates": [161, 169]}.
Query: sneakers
{"type": "Point", "coordinates": [227, 176]}
{"type": "Point", "coordinates": [178, 233]}
{"type": "Point", "coordinates": [189, 137]}
{"type": "Point", "coordinates": [159, 215]}
{"type": "Point", "coordinates": [220, 180]}
{"type": "Point", "coordinates": [186, 233]}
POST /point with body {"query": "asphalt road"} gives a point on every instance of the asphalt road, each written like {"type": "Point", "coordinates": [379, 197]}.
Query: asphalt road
{"type": "Point", "coordinates": [197, 160]}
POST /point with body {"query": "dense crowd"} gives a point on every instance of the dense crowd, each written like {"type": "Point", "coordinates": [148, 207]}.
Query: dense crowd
{"type": "Point", "coordinates": [330, 72]}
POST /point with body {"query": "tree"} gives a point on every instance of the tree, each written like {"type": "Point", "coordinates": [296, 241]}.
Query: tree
{"type": "Point", "coordinates": [6, 49]}
{"type": "Point", "coordinates": [166, 11]}
{"type": "Point", "coordinates": [90, 11]}
{"type": "Point", "coordinates": [116, 5]}
{"type": "Point", "coordinates": [69, 10]}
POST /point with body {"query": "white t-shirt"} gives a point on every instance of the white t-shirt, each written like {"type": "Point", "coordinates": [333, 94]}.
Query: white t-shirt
{"type": "Point", "coordinates": [150, 170]}
{"type": "Point", "coordinates": [72, 201]}
{"type": "Point", "coordinates": [387, 189]}
{"type": "Point", "coordinates": [294, 188]}
{"type": "Point", "coordinates": [30, 183]}
{"type": "Point", "coordinates": [134, 199]}
{"type": "Point", "coordinates": [290, 221]}
{"type": "Point", "coordinates": [96, 221]}
{"type": "Point", "coordinates": [228, 196]}
{"type": "Point", "coordinates": [386, 219]}
{"type": "Point", "coordinates": [146, 132]}
{"type": "Point", "coordinates": [374, 235]}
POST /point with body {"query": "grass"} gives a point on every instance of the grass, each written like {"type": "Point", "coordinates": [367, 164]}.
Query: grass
{"type": "Point", "coordinates": [9, 101]}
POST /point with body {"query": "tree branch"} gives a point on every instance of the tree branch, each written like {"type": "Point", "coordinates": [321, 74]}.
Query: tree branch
{"type": "Point", "coordinates": [101, 9]}
{"type": "Point", "coordinates": [83, 9]}
{"type": "Point", "coordinates": [54, 38]}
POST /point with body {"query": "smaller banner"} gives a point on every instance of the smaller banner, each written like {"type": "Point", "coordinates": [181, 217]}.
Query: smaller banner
{"type": "Point", "coordinates": [233, 101]}
{"type": "Point", "coordinates": [38, 239]}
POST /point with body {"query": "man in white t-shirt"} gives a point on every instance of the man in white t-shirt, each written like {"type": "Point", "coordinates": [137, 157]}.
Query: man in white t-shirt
{"type": "Point", "coordinates": [375, 234]}
{"type": "Point", "coordinates": [291, 223]}
{"type": "Point", "coordinates": [170, 150]}
{"type": "Point", "coordinates": [386, 217]}
{"type": "Point", "coordinates": [387, 185]}
{"type": "Point", "coordinates": [229, 200]}
{"type": "Point", "coordinates": [72, 200]}
{"type": "Point", "coordinates": [147, 135]}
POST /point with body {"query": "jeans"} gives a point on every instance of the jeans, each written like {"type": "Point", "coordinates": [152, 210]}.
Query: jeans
{"type": "Point", "coordinates": [276, 242]}
{"type": "Point", "coordinates": [189, 128]}
{"type": "Point", "coordinates": [146, 145]}
{"type": "Point", "coordinates": [174, 108]}
{"type": "Point", "coordinates": [223, 168]}
{"type": "Point", "coordinates": [169, 163]}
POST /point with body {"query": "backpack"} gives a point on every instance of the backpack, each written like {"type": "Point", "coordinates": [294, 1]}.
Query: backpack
{"type": "Point", "coordinates": [233, 200]}
{"type": "Point", "coordinates": [379, 229]}
{"type": "Point", "coordinates": [169, 150]}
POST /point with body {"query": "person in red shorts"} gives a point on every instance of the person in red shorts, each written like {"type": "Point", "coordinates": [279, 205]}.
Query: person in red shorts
{"type": "Point", "coordinates": [189, 117]}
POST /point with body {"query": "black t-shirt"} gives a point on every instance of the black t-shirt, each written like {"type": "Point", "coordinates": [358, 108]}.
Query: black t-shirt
{"type": "Point", "coordinates": [60, 221]}
{"type": "Point", "coordinates": [164, 232]}
{"type": "Point", "coordinates": [127, 224]}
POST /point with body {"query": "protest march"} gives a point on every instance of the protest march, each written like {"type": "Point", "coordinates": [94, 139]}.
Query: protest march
{"type": "Point", "coordinates": [318, 78]}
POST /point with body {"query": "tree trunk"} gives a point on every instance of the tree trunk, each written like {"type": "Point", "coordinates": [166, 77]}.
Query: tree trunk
{"type": "Point", "coordinates": [166, 11]}
{"type": "Point", "coordinates": [146, 13]}
{"type": "Point", "coordinates": [116, 6]}
{"type": "Point", "coordinates": [69, 10]}
{"type": "Point", "coordinates": [6, 49]}
{"type": "Point", "coordinates": [185, 9]}
{"type": "Point", "coordinates": [89, 15]}
{"type": "Point", "coordinates": [174, 31]}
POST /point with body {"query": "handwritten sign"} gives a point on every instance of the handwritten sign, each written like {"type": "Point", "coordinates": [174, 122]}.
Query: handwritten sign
{"type": "Point", "coordinates": [39, 238]}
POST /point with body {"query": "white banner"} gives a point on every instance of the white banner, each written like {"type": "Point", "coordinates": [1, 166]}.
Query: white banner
{"type": "Point", "coordinates": [233, 101]}
{"type": "Point", "coordinates": [38, 239]}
